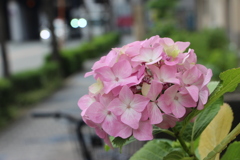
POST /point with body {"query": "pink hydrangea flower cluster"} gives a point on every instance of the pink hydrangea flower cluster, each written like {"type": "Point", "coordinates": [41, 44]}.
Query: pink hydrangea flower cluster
{"type": "Point", "coordinates": [144, 83]}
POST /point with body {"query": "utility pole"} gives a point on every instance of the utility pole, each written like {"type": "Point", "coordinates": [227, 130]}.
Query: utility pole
{"type": "Point", "coordinates": [6, 72]}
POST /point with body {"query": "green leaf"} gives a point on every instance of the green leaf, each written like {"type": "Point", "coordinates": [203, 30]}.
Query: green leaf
{"type": "Point", "coordinates": [186, 135]}
{"type": "Point", "coordinates": [205, 117]}
{"type": "Point", "coordinates": [119, 142]}
{"type": "Point", "coordinates": [232, 152]}
{"type": "Point", "coordinates": [212, 86]}
{"type": "Point", "coordinates": [106, 147]}
{"type": "Point", "coordinates": [155, 149]}
{"type": "Point", "coordinates": [230, 80]}
{"type": "Point", "coordinates": [175, 154]}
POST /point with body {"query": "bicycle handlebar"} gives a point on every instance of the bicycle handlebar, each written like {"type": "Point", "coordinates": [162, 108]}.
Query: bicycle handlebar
{"type": "Point", "coordinates": [55, 115]}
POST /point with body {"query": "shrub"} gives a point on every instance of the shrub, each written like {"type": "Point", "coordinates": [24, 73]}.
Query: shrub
{"type": "Point", "coordinates": [6, 94]}
{"type": "Point", "coordinates": [72, 59]}
{"type": "Point", "coordinates": [27, 80]}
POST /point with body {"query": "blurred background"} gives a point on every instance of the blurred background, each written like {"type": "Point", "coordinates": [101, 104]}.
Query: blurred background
{"type": "Point", "coordinates": [47, 45]}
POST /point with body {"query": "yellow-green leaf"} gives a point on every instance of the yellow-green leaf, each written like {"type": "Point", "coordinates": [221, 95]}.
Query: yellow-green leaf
{"type": "Point", "coordinates": [216, 131]}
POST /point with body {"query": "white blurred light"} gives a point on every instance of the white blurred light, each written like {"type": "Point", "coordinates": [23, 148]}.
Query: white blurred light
{"type": "Point", "coordinates": [74, 23]}
{"type": "Point", "coordinates": [82, 22]}
{"type": "Point", "coordinates": [44, 34]}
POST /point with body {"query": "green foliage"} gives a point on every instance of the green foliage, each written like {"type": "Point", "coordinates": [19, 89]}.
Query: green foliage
{"type": "Point", "coordinates": [162, 8]}
{"type": "Point", "coordinates": [232, 152]}
{"type": "Point", "coordinates": [212, 86]}
{"type": "Point", "coordinates": [155, 149]}
{"type": "Point", "coordinates": [163, 28]}
{"type": "Point", "coordinates": [6, 89]}
{"type": "Point", "coordinates": [216, 38]}
{"type": "Point", "coordinates": [176, 154]}
{"type": "Point", "coordinates": [204, 118]}
{"type": "Point", "coordinates": [72, 59]}
{"type": "Point", "coordinates": [35, 79]}
{"type": "Point", "coordinates": [27, 80]}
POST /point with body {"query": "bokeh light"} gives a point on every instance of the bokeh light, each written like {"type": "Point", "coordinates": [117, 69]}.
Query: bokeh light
{"type": "Point", "coordinates": [82, 22]}
{"type": "Point", "coordinates": [74, 23]}
{"type": "Point", "coordinates": [45, 34]}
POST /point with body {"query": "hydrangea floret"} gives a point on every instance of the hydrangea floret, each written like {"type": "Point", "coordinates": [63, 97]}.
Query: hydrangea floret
{"type": "Point", "coordinates": [154, 82]}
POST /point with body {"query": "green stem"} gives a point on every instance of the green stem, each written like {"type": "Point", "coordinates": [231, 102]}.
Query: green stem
{"type": "Point", "coordinates": [183, 144]}
{"type": "Point", "coordinates": [221, 146]}
{"type": "Point", "coordinates": [169, 132]}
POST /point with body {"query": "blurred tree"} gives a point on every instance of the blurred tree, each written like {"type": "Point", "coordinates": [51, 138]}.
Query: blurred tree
{"type": "Point", "coordinates": [48, 6]}
{"type": "Point", "coordinates": [6, 72]}
{"type": "Point", "coordinates": [163, 8]}
{"type": "Point", "coordinates": [87, 10]}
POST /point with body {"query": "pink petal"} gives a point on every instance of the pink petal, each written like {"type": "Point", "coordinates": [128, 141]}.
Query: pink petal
{"type": "Point", "coordinates": [144, 114]}
{"type": "Point", "coordinates": [126, 95]}
{"type": "Point", "coordinates": [105, 99]}
{"type": "Point", "coordinates": [177, 109]}
{"type": "Point", "coordinates": [193, 92]}
{"type": "Point", "coordinates": [108, 86]}
{"type": "Point", "coordinates": [168, 41]}
{"type": "Point", "coordinates": [168, 122]}
{"type": "Point", "coordinates": [182, 46]}
{"type": "Point", "coordinates": [100, 132]}
{"type": "Point", "coordinates": [85, 101]}
{"type": "Point", "coordinates": [122, 69]}
{"type": "Point", "coordinates": [191, 76]}
{"type": "Point", "coordinates": [164, 107]}
{"type": "Point", "coordinates": [151, 41]}
{"type": "Point", "coordinates": [144, 132]}
{"type": "Point", "coordinates": [139, 103]}
{"type": "Point", "coordinates": [88, 74]}
{"type": "Point", "coordinates": [117, 107]}
{"type": "Point", "coordinates": [111, 125]}
{"type": "Point", "coordinates": [186, 100]}
{"type": "Point", "coordinates": [144, 56]}
{"type": "Point", "coordinates": [154, 113]}
{"type": "Point", "coordinates": [172, 61]}
{"type": "Point", "coordinates": [155, 90]}
{"type": "Point", "coordinates": [200, 105]}
{"type": "Point", "coordinates": [169, 94]}
{"type": "Point", "coordinates": [125, 132]}
{"type": "Point", "coordinates": [105, 73]}
{"type": "Point", "coordinates": [168, 74]}
{"type": "Point", "coordinates": [203, 94]}
{"type": "Point", "coordinates": [133, 49]}
{"type": "Point", "coordinates": [131, 118]}
{"type": "Point", "coordinates": [130, 80]}
{"type": "Point", "coordinates": [108, 142]}
{"type": "Point", "coordinates": [96, 112]}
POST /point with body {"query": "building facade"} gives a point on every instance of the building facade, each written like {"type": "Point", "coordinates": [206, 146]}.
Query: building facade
{"type": "Point", "coordinates": [220, 14]}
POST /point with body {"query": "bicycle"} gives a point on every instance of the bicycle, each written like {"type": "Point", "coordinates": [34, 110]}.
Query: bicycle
{"type": "Point", "coordinates": [90, 145]}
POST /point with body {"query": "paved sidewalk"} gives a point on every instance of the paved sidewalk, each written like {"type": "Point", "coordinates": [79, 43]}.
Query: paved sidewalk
{"type": "Point", "coordinates": [29, 55]}
{"type": "Point", "coordinates": [49, 139]}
